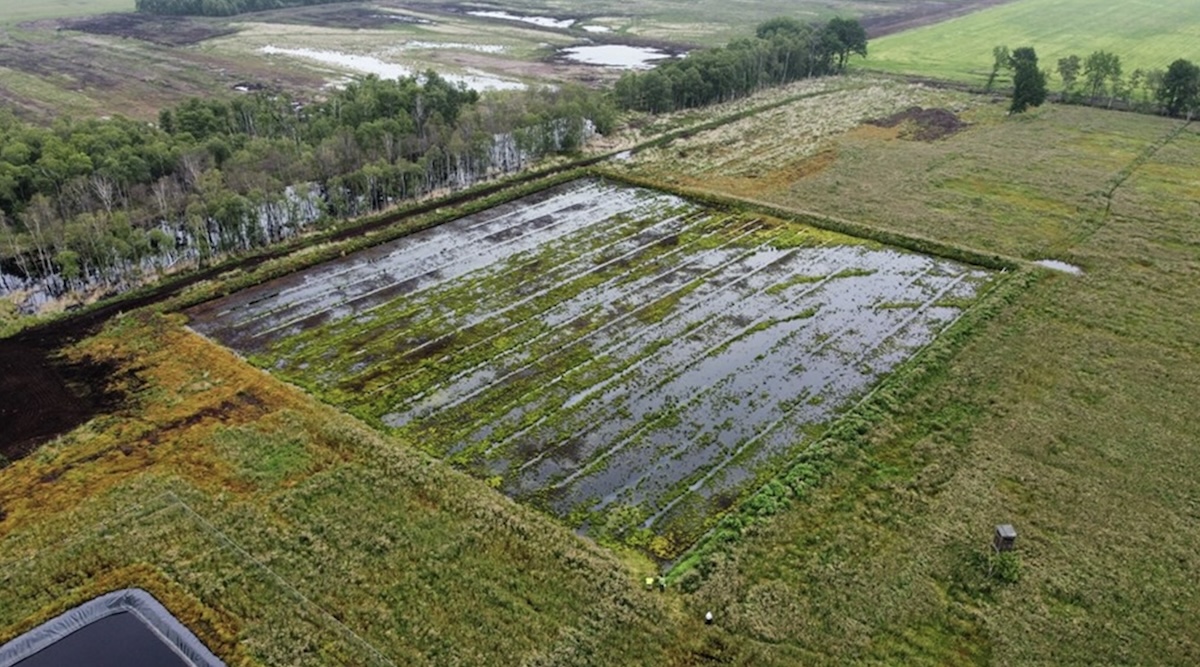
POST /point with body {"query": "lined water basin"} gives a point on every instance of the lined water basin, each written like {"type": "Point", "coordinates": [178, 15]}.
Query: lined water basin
{"type": "Point", "coordinates": [623, 358]}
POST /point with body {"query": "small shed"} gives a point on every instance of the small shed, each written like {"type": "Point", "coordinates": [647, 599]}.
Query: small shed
{"type": "Point", "coordinates": [1006, 538]}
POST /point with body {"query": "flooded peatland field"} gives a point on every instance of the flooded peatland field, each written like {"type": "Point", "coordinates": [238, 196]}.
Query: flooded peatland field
{"type": "Point", "coordinates": [621, 357]}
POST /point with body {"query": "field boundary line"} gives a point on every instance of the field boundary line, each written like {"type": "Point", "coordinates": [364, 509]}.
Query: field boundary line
{"type": "Point", "coordinates": [140, 510]}
{"type": "Point", "coordinates": [169, 500]}
{"type": "Point", "coordinates": [1118, 180]}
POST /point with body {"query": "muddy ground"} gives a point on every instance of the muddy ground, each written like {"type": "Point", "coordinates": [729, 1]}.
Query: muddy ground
{"type": "Point", "coordinates": [134, 78]}
{"type": "Point", "coordinates": [162, 30]}
{"type": "Point", "coordinates": [45, 395]}
{"type": "Point", "coordinates": [920, 124]}
{"type": "Point", "coordinates": [343, 16]}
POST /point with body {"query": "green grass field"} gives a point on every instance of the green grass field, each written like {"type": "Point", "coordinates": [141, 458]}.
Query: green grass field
{"type": "Point", "coordinates": [15, 11]}
{"type": "Point", "coordinates": [1067, 414]}
{"type": "Point", "coordinates": [1148, 34]}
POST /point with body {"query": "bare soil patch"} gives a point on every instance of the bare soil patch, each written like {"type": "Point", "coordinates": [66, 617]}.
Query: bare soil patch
{"type": "Point", "coordinates": [163, 30]}
{"type": "Point", "coordinates": [922, 14]}
{"type": "Point", "coordinates": [919, 124]}
{"type": "Point", "coordinates": [45, 396]}
{"type": "Point", "coordinates": [133, 76]}
{"type": "Point", "coordinates": [347, 17]}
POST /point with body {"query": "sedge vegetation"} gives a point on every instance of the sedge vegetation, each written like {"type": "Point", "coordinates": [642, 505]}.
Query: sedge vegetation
{"type": "Point", "coordinates": [206, 491]}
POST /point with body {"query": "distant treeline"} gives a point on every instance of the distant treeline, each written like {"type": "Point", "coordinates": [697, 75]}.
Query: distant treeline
{"type": "Point", "coordinates": [783, 50]}
{"type": "Point", "coordinates": [1100, 79]}
{"type": "Point", "coordinates": [99, 203]}
{"type": "Point", "coordinates": [219, 7]}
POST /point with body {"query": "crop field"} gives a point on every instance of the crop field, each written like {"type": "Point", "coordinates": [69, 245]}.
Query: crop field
{"type": "Point", "coordinates": [1146, 35]}
{"type": "Point", "coordinates": [624, 358]}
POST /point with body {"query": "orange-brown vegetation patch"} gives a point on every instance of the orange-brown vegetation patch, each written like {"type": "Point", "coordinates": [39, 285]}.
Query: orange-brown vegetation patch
{"type": "Point", "coordinates": [875, 132]}
{"type": "Point", "coordinates": [183, 391]}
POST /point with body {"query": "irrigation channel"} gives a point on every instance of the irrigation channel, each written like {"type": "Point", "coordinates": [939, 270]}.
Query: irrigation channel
{"type": "Point", "coordinates": [619, 356]}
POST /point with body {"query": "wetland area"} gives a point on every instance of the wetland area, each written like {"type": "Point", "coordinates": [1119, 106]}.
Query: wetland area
{"type": "Point", "coordinates": [621, 357]}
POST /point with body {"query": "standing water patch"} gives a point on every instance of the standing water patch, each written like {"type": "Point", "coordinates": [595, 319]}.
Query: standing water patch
{"type": "Point", "coordinates": [623, 358]}
{"type": "Point", "coordinates": [619, 56]}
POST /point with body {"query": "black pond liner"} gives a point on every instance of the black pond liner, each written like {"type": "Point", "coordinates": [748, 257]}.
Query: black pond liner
{"type": "Point", "coordinates": [125, 628]}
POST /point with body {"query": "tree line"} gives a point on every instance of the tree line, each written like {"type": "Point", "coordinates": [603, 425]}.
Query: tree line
{"type": "Point", "coordinates": [1099, 78]}
{"type": "Point", "coordinates": [102, 203]}
{"type": "Point", "coordinates": [783, 50]}
{"type": "Point", "coordinates": [219, 7]}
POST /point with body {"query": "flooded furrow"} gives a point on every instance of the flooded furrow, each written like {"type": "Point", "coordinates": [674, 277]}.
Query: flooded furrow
{"type": "Point", "coordinates": [426, 258]}
{"type": "Point", "coordinates": [544, 309]}
{"type": "Point", "coordinates": [620, 304]}
{"type": "Point", "coordinates": [704, 443]}
{"type": "Point", "coordinates": [452, 325]}
{"type": "Point", "coordinates": [687, 367]}
{"type": "Point", "coordinates": [600, 347]}
{"type": "Point", "coordinates": [739, 370]}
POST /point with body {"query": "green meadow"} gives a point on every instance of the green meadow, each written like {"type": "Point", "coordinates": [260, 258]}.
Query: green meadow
{"type": "Point", "coordinates": [1148, 35]}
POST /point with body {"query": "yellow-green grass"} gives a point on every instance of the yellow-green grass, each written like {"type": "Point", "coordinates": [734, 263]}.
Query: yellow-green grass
{"type": "Point", "coordinates": [15, 11]}
{"type": "Point", "coordinates": [1148, 34]}
{"type": "Point", "coordinates": [1025, 186]}
{"type": "Point", "coordinates": [1068, 415]}
{"type": "Point", "coordinates": [286, 533]}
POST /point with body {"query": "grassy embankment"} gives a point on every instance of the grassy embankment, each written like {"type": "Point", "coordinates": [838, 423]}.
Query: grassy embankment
{"type": "Point", "coordinates": [1147, 35]}
{"type": "Point", "coordinates": [1067, 413]}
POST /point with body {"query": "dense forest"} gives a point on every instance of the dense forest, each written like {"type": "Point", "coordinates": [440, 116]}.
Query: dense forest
{"type": "Point", "coordinates": [99, 204]}
{"type": "Point", "coordinates": [783, 50]}
{"type": "Point", "coordinates": [219, 7]}
{"type": "Point", "coordinates": [103, 204]}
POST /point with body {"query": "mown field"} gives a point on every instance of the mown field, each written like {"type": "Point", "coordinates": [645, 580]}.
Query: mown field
{"type": "Point", "coordinates": [1146, 35]}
